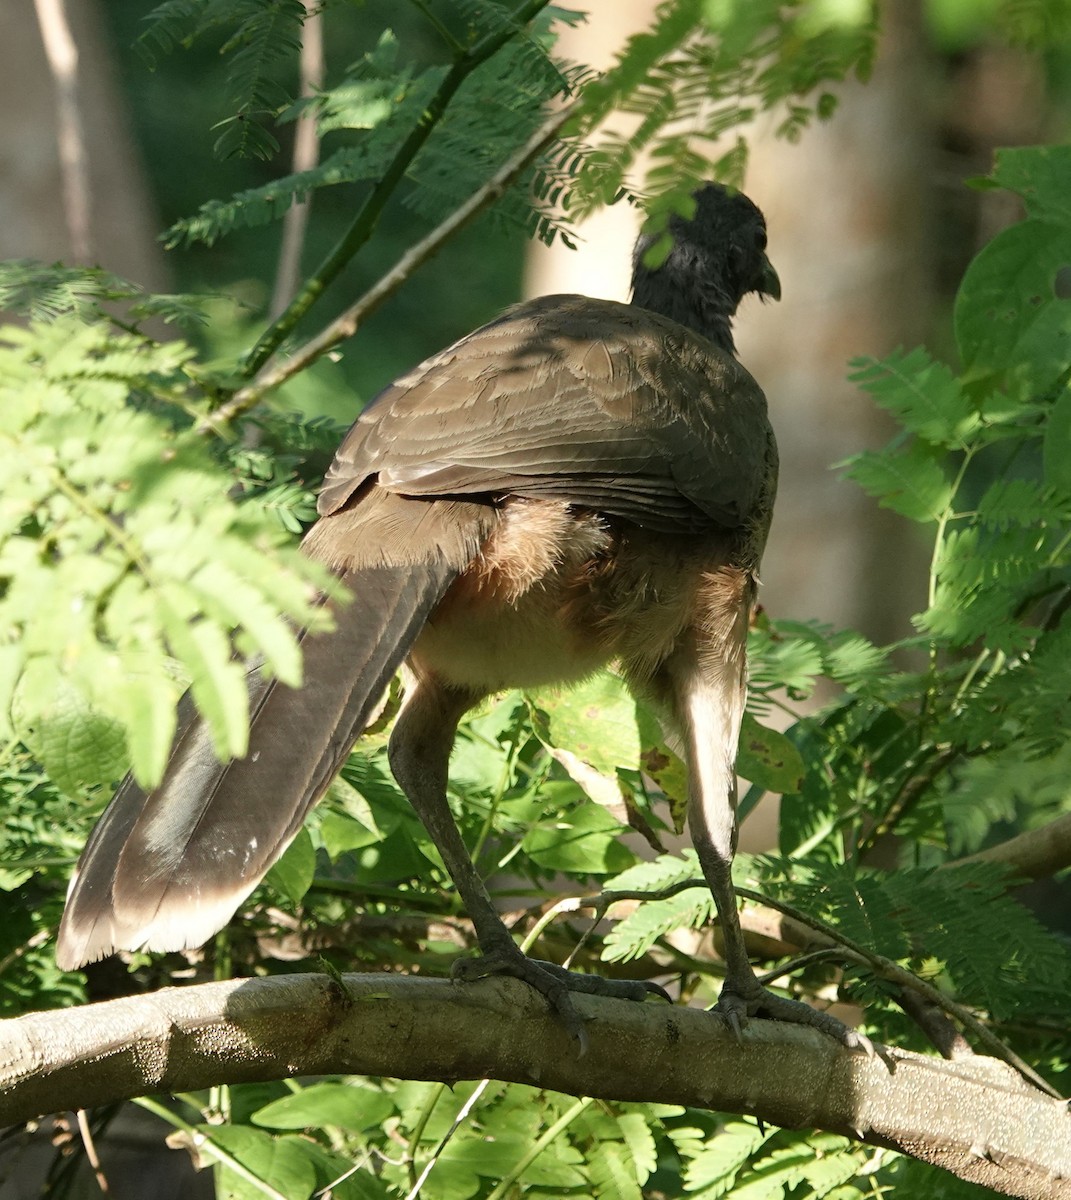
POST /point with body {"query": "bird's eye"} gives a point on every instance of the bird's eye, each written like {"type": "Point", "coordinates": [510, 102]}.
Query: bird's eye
{"type": "Point", "coordinates": [760, 239]}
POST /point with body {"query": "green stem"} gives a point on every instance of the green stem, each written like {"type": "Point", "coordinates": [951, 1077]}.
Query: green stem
{"type": "Point", "coordinates": [931, 596]}
{"type": "Point", "coordinates": [942, 524]}
{"type": "Point", "coordinates": [366, 220]}
{"type": "Point", "coordinates": [922, 769]}
{"type": "Point", "coordinates": [455, 46]}
{"type": "Point", "coordinates": [537, 1148]}
{"type": "Point", "coordinates": [957, 701]}
{"type": "Point", "coordinates": [459, 1120]}
{"type": "Point", "coordinates": [203, 1142]}
{"type": "Point", "coordinates": [492, 809]}
{"type": "Point", "coordinates": [1058, 550]}
{"type": "Point", "coordinates": [434, 1096]}
{"type": "Point", "coordinates": [114, 530]}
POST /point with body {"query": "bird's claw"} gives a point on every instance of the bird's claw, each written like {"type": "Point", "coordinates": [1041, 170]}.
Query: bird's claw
{"type": "Point", "coordinates": [555, 983]}
{"type": "Point", "coordinates": [736, 1009]}
{"type": "Point", "coordinates": [517, 965]}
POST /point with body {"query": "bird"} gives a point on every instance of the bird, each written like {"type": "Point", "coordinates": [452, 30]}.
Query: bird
{"type": "Point", "coordinates": [579, 482]}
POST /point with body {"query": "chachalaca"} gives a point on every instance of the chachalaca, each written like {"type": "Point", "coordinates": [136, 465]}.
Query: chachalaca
{"type": "Point", "coordinates": [578, 482]}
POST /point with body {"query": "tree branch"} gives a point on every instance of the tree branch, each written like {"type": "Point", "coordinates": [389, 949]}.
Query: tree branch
{"type": "Point", "coordinates": [1036, 854]}
{"type": "Point", "coordinates": [346, 325]}
{"type": "Point", "coordinates": [976, 1118]}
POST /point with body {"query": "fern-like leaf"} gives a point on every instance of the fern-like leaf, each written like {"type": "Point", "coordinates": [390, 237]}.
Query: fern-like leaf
{"type": "Point", "coordinates": [923, 395]}
{"type": "Point", "coordinates": [119, 543]}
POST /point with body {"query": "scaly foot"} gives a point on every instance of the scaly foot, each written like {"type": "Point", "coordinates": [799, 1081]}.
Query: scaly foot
{"type": "Point", "coordinates": [737, 1004]}
{"type": "Point", "coordinates": [554, 983]}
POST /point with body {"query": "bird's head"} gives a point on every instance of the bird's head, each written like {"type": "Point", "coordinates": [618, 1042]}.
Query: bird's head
{"type": "Point", "coordinates": [715, 258]}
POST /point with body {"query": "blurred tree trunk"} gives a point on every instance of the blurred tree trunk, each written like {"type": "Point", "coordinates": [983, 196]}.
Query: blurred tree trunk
{"type": "Point", "coordinates": [121, 228]}
{"type": "Point", "coordinates": [849, 236]}
{"type": "Point", "coordinates": [603, 264]}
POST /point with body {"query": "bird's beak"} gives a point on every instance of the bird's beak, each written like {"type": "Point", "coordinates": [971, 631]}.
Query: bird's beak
{"type": "Point", "coordinates": [769, 283]}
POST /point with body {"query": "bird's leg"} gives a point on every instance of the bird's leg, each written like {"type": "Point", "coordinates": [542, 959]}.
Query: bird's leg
{"type": "Point", "coordinates": [707, 682]}
{"type": "Point", "coordinates": [419, 752]}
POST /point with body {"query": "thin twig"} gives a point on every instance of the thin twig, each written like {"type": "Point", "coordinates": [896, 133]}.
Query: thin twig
{"type": "Point", "coordinates": [801, 962]}
{"type": "Point", "coordinates": [883, 967]}
{"type": "Point", "coordinates": [908, 794]}
{"type": "Point", "coordinates": [91, 1152]}
{"type": "Point", "coordinates": [346, 325]}
{"type": "Point", "coordinates": [887, 969]}
{"type": "Point", "coordinates": [504, 1186]}
{"type": "Point", "coordinates": [328, 1189]}
{"type": "Point", "coordinates": [565, 905]}
{"type": "Point", "coordinates": [203, 1143]}
{"type": "Point", "coordinates": [459, 1120]}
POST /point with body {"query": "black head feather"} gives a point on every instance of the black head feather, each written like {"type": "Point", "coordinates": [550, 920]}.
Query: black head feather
{"type": "Point", "coordinates": [718, 256]}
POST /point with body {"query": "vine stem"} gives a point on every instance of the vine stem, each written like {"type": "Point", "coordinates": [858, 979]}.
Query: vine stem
{"type": "Point", "coordinates": [347, 324]}
{"type": "Point", "coordinates": [948, 514]}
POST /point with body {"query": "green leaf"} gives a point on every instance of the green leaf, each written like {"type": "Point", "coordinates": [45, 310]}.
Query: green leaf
{"type": "Point", "coordinates": [283, 1163]}
{"type": "Point", "coordinates": [356, 1105]}
{"type": "Point", "coordinates": [1056, 453]}
{"type": "Point", "coordinates": [635, 1127]}
{"type": "Point", "coordinates": [768, 758]}
{"type": "Point", "coordinates": [556, 1167]}
{"type": "Point", "coordinates": [293, 873]}
{"type": "Point", "coordinates": [146, 704]}
{"type": "Point", "coordinates": [236, 603]}
{"type": "Point", "coordinates": [584, 841]}
{"type": "Point", "coordinates": [1009, 322]}
{"type": "Point", "coordinates": [611, 1172]}
{"type": "Point", "coordinates": [1026, 502]}
{"type": "Point", "coordinates": [670, 773]}
{"type": "Point", "coordinates": [711, 1172]}
{"type": "Point", "coordinates": [217, 682]}
{"type": "Point", "coordinates": [77, 746]}
{"type": "Point", "coordinates": [347, 821]}
{"type": "Point", "coordinates": [923, 395]}
{"type": "Point", "coordinates": [119, 544]}
{"type": "Point", "coordinates": [634, 935]}
{"type": "Point", "coordinates": [596, 720]}
{"type": "Point", "coordinates": [912, 482]}
{"type": "Point", "coordinates": [664, 871]}
{"type": "Point", "coordinates": [1041, 175]}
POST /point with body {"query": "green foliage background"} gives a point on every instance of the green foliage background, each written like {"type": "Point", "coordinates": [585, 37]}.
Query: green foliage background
{"type": "Point", "coordinates": [138, 554]}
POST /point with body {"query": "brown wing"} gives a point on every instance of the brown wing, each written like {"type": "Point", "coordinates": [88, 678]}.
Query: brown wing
{"type": "Point", "coordinates": [601, 404]}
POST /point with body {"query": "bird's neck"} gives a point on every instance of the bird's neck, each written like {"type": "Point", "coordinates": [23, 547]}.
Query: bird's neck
{"type": "Point", "coordinates": [690, 301]}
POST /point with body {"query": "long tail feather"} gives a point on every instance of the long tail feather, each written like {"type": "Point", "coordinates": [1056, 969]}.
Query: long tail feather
{"type": "Point", "coordinates": [166, 869]}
